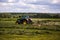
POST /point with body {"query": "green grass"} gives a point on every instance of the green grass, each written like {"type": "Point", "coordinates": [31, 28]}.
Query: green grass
{"type": "Point", "coordinates": [26, 37]}
{"type": "Point", "coordinates": [14, 19]}
{"type": "Point", "coordinates": [11, 31]}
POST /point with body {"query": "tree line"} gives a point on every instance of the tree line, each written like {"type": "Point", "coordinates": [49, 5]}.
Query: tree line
{"type": "Point", "coordinates": [32, 15]}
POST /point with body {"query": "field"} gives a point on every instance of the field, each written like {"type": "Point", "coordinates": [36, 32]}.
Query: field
{"type": "Point", "coordinates": [42, 29]}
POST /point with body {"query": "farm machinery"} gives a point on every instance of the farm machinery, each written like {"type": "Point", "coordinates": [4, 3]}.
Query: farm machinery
{"type": "Point", "coordinates": [24, 20]}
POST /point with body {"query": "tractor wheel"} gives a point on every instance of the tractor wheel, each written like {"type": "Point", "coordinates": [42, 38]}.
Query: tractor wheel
{"type": "Point", "coordinates": [24, 22]}
{"type": "Point", "coordinates": [18, 22]}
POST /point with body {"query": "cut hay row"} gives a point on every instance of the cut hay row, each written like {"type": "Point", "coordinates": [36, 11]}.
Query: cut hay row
{"type": "Point", "coordinates": [14, 19]}
{"type": "Point", "coordinates": [42, 19]}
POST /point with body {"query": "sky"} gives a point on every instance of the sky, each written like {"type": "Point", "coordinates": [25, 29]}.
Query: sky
{"type": "Point", "coordinates": [39, 6]}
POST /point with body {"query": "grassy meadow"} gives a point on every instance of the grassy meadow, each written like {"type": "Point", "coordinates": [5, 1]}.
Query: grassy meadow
{"type": "Point", "coordinates": [44, 27]}
{"type": "Point", "coordinates": [41, 29]}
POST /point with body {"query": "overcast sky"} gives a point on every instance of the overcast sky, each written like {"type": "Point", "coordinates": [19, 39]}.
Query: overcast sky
{"type": "Point", "coordinates": [44, 6]}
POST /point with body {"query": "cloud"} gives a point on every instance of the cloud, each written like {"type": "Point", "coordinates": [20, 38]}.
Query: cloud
{"type": "Point", "coordinates": [3, 0]}
{"type": "Point", "coordinates": [9, 1]}
{"type": "Point", "coordinates": [48, 6]}
{"type": "Point", "coordinates": [55, 1]}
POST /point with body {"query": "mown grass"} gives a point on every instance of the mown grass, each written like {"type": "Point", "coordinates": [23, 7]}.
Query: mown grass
{"type": "Point", "coordinates": [25, 37]}
{"type": "Point", "coordinates": [11, 31]}
{"type": "Point", "coordinates": [14, 19]}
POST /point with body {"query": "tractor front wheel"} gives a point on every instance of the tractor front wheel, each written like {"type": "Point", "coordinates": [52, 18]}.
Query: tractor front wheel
{"type": "Point", "coordinates": [24, 22]}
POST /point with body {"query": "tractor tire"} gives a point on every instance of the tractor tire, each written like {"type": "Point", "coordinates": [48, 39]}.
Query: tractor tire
{"type": "Point", "coordinates": [24, 22]}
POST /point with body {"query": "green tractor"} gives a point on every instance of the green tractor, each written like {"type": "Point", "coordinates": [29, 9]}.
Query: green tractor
{"type": "Point", "coordinates": [24, 20]}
